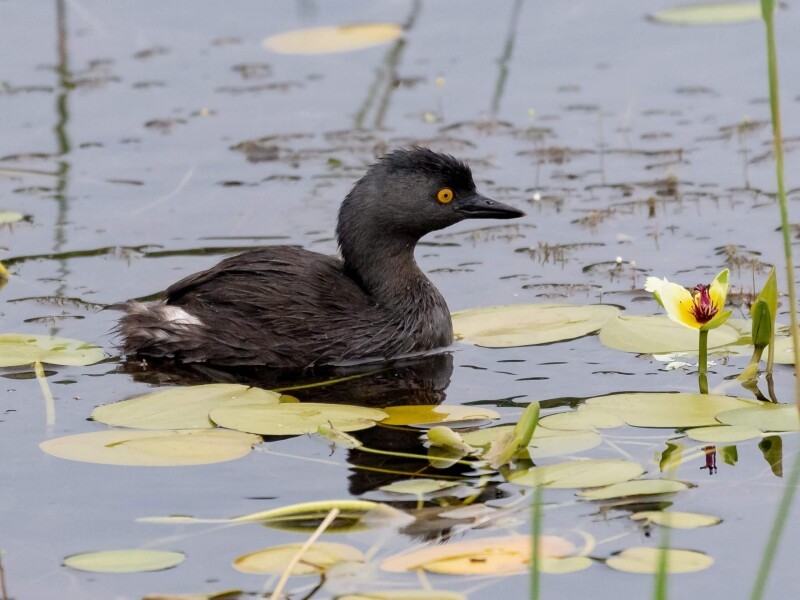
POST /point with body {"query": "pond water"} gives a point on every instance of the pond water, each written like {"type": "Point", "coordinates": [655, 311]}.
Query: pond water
{"type": "Point", "coordinates": [144, 141]}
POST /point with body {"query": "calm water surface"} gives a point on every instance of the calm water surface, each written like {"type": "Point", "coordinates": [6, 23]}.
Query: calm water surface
{"type": "Point", "coordinates": [146, 140]}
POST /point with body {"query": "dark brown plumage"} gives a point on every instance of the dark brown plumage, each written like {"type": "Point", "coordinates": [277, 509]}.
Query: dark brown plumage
{"type": "Point", "coordinates": [284, 306]}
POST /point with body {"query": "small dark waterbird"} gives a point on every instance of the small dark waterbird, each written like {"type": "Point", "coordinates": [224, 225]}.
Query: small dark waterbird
{"type": "Point", "coordinates": [287, 307]}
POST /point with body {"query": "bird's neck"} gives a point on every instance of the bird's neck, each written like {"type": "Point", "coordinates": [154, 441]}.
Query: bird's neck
{"type": "Point", "coordinates": [387, 271]}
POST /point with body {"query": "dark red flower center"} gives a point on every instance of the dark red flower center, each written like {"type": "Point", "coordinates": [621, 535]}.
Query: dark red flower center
{"type": "Point", "coordinates": [703, 308]}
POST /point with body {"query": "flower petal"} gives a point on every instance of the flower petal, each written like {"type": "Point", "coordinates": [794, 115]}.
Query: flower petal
{"type": "Point", "coordinates": [678, 302]}
{"type": "Point", "coordinates": [719, 289]}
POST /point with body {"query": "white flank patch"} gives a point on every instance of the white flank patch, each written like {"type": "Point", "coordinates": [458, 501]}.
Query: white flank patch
{"type": "Point", "coordinates": [178, 316]}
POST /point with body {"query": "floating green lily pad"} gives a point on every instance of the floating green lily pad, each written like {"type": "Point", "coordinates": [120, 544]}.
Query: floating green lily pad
{"type": "Point", "coordinates": [578, 474]}
{"type": "Point", "coordinates": [295, 418]}
{"type": "Point", "coordinates": [529, 324]}
{"type": "Point", "coordinates": [667, 410]}
{"type": "Point", "coordinates": [320, 557]}
{"type": "Point", "coordinates": [710, 14]}
{"type": "Point", "coordinates": [418, 487]}
{"type": "Point", "coordinates": [765, 417]}
{"type": "Point", "coordinates": [646, 560]}
{"type": "Point", "coordinates": [19, 349]}
{"type": "Point", "coordinates": [429, 414]}
{"type": "Point", "coordinates": [784, 350]}
{"type": "Point", "coordinates": [180, 408]}
{"type": "Point", "coordinates": [724, 434]}
{"type": "Point", "coordinates": [124, 561]}
{"type": "Point", "coordinates": [639, 487]}
{"type": "Point", "coordinates": [354, 515]}
{"type": "Point", "coordinates": [562, 566]}
{"type": "Point", "coordinates": [676, 520]}
{"type": "Point", "coordinates": [658, 334]}
{"type": "Point", "coordinates": [584, 417]}
{"type": "Point", "coordinates": [549, 442]}
{"type": "Point", "coordinates": [327, 40]}
{"type": "Point", "coordinates": [9, 216]}
{"type": "Point", "coordinates": [152, 448]}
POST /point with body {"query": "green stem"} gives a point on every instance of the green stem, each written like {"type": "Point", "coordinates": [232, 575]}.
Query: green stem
{"type": "Point", "coordinates": [408, 455]}
{"type": "Point", "coordinates": [702, 362]}
{"type": "Point", "coordinates": [536, 534]}
{"type": "Point", "coordinates": [787, 498]}
{"type": "Point", "coordinates": [768, 10]}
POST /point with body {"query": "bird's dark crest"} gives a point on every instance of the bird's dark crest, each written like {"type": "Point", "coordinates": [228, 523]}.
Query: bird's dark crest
{"type": "Point", "coordinates": [416, 159]}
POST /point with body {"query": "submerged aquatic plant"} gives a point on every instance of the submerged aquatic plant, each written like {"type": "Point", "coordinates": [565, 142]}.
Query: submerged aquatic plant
{"type": "Point", "coordinates": [702, 308]}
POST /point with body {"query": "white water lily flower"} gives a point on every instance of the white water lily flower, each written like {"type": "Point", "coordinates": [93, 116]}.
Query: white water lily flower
{"type": "Point", "coordinates": [701, 308]}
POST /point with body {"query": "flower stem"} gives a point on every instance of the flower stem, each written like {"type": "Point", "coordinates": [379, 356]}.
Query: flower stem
{"type": "Point", "coordinates": [702, 362]}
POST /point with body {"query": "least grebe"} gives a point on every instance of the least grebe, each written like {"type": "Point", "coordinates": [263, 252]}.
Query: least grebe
{"type": "Point", "coordinates": [283, 306]}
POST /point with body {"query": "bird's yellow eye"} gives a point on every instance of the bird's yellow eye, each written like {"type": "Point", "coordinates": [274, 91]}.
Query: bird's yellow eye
{"type": "Point", "coordinates": [444, 195]}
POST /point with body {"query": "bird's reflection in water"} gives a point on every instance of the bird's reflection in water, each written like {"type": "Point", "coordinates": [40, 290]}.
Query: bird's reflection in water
{"type": "Point", "coordinates": [411, 381]}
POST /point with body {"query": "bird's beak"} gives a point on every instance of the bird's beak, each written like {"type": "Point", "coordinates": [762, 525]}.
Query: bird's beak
{"type": "Point", "coordinates": [481, 207]}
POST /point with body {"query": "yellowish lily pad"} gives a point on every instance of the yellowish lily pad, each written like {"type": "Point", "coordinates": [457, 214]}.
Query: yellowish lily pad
{"type": "Point", "coordinates": [320, 557]}
{"type": "Point", "coordinates": [487, 556]}
{"type": "Point", "coordinates": [294, 418]}
{"type": "Point", "coordinates": [723, 434]}
{"type": "Point", "coordinates": [327, 40]}
{"type": "Point", "coordinates": [646, 560]}
{"type": "Point", "coordinates": [784, 350]}
{"type": "Point", "coordinates": [710, 14]}
{"type": "Point", "coordinates": [667, 410]}
{"type": "Point", "coordinates": [660, 335]}
{"type": "Point", "coordinates": [676, 520]}
{"type": "Point", "coordinates": [529, 324]}
{"type": "Point", "coordinates": [404, 595]}
{"type": "Point", "coordinates": [180, 408]}
{"type": "Point", "coordinates": [639, 487]}
{"type": "Point", "coordinates": [19, 349]}
{"type": "Point", "coordinates": [152, 448]}
{"type": "Point", "coordinates": [429, 414]}
{"type": "Point", "coordinates": [765, 417]}
{"type": "Point", "coordinates": [124, 561]}
{"type": "Point", "coordinates": [10, 216]}
{"type": "Point", "coordinates": [578, 474]}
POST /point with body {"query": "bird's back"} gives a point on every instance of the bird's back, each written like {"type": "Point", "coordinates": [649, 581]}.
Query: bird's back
{"type": "Point", "coordinates": [281, 306]}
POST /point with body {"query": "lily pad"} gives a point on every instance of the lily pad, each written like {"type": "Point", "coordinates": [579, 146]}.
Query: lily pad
{"type": "Point", "coordinates": [724, 434]}
{"type": "Point", "coordinates": [9, 216]}
{"type": "Point", "coordinates": [152, 448]}
{"type": "Point", "coordinates": [487, 556]}
{"type": "Point", "coordinates": [294, 418]}
{"type": "Point", "coordinates": [658, 334]}
{"type": "Point", "coordinates": [180, 408]}
{"type": "Point", "coordinates": [124, 561]}
{"type": "Point", "coordinates": [562, 566]}
{"type": "Point", "coordinates": [676, 520]}
{"type": "Point", "coordinates": [19, 349]}
{"type": "Point", "coordinates": [646, 560]}
{"type": "Point", "coordinates": [550, 442]}
{"type": "Point", "coordinates": [327, 40]}
{"type": "Point", "coordinates": [765, 417]}
{"type": "Point", "coordinates": [404, 595]}
{"type": "Point", "coordinates": [667, 410]}
{"type": "Point", "coordinates": [529, 324]}
{"type": "Point", "coordinates": [710, 14]}
{"type": "Point", "coordinates": [584, 417]}
{"type": "Point", "coordinates": [429, 414]}
{"type": "Point", "coordinates": [784, 350]}
{"type": "Point", "coordinates": [320, 557]}
{"type": "Point", "coordinates": [639, 487]}
{"type": "Point", "coordinates": [578, 474]}
{"type": "Point", "coordinates": [418, 487]}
